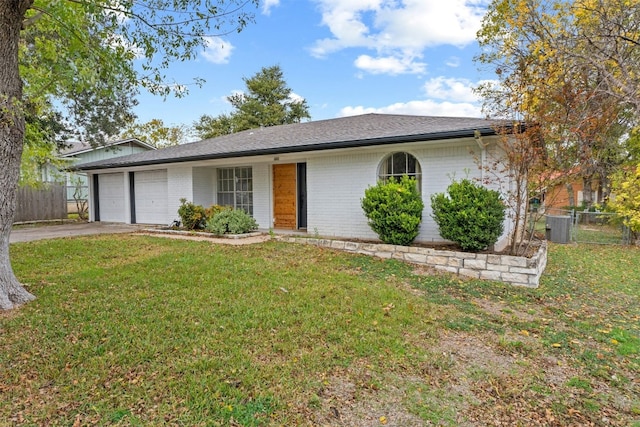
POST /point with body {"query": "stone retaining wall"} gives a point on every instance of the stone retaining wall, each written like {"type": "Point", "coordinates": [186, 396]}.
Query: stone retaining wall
{"type": "Point", "coordinates": [519, 271]}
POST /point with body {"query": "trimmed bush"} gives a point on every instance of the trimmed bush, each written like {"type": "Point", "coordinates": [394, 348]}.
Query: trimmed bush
{"type": "Point", "coordinates": [394, 210]}
{"type": "Point", "coordinates": [469, 214]}
{"type": "Point", "coordinates": [193, 216]}
{"type": "Point", "coordinates": [231, 222]}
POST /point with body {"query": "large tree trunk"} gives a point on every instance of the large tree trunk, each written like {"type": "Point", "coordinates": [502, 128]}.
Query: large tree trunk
{"type": "Point", "coordinates": [12, 293]}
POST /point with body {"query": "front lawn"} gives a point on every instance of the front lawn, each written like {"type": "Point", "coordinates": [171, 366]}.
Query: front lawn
{"type": "Point", "coordinates": [137, 330]}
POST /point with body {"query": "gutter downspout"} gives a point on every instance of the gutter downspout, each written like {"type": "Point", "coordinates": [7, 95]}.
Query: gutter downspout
{"type": "Point", "coordinates": [483, 153]}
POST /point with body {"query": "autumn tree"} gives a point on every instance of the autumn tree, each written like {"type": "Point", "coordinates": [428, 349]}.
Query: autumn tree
{"type": "Point", "coordinates": [542, 53]}
{"type": "Point", "coordinates": [626, 197]}
{"type": "Point", "coordinates": [156, 133]}
{"type": "Point", "coordinates": [268, 101]}
{"type": "Point", "coordinates": [71, 51]}
{"type": "Point", "coordinates": [604, 36]}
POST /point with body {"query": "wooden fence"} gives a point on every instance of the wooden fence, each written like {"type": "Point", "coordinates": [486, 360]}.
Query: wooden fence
{"type": "Point", "coordinates": [35, 204]}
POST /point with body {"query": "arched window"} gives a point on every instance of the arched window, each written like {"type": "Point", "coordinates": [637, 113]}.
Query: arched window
{"type": "Point", "coordinates": [398, 164]}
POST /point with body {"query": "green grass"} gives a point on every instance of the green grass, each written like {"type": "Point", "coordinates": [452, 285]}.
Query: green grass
{"type": "Point", "coordinates": [133, 330]}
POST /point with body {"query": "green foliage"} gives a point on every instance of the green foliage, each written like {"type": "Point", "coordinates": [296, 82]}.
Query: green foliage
{"type": "Point", "coordinates": [394, 210]}
{"type": "Point", "coordinates": [77, 61]}
{"type": "Point", "coordinates": [234, 221]}
{"type": "Point", "coordinates": [211, 127]}
{"type": "Point", "coordinates": [193, 216]}
{"type": "Point", "coordinates": [267, 102]}
{"type": "Point", "coordinates": [470, 215]}
{"type": "Point", "coordinates": [632, 146]}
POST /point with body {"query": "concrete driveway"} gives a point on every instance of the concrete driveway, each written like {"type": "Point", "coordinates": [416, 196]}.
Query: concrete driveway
{"type": "Point", "coordinates": [27, 233]}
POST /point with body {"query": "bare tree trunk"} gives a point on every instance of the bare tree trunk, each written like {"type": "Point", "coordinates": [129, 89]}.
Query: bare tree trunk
{"type": "Point", "coordinates": [12, 293]}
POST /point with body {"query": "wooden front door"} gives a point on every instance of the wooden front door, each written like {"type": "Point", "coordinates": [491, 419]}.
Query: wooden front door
{"type": "Point", "coordinates": [284, 196]}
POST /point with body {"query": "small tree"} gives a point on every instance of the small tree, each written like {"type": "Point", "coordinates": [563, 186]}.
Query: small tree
{"type": "Point", "coordinates": [193, 216]}
{"type": "Point", "coordinates": [80, 197]}
{"type": "Point", "coordinates": [394, 210]}
{"type": "Point", "coordinates": [469, 214]}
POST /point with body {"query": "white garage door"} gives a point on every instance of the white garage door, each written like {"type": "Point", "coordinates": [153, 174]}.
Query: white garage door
{"type": "Point", "coordinates": [151, 196]}
{"type": "Point", "coordinates": [111, 197]}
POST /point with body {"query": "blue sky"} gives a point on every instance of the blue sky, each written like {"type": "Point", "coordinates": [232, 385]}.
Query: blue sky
{"type": "Point", "coordinates": [345, 57]}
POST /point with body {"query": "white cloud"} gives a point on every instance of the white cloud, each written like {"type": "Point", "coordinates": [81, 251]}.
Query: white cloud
{"type": "Point", "coordinates": [419, 108]}
{"type": "Point", "coordinates": [294, 97]}
{"type": "Point", "coordinates": [445, 96]}
{"type": "Point", "coordinates": [450, 89]}
{"type": "Point", "coordinates": [267, 5]}
{"type": "Point", "coordinates": [453, 62]}
{"type": "Point", "coordinates": [390, 65]}
{"type": "Point", "coordinates": [397, 29]}
{"type": "Point", "coordinates": [217, 50]}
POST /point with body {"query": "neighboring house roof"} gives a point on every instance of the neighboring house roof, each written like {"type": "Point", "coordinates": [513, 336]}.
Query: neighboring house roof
{"type": "Point", "coordinates": [77, 147]}
{"type": "Point", "coordinates": [345, 132]}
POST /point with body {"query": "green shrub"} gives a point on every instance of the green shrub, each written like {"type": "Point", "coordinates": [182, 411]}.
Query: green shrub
{"type": "Point", "coordinates": [231, 221]}
{"type": "Point", "coordinates": [193, 216]}
{"type": "Point", "coordinates": [469, 215]}
{"type": "Point", "coordinates": [394, 210]}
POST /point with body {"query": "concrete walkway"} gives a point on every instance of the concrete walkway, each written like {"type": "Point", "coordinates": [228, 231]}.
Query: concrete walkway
{"type": "Point", "coordinates": [27, 233]}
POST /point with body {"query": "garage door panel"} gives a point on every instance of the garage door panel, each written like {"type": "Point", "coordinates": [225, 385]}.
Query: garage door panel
{"type": "Point", "coordinates": [111, 197]}
{"type": "Point", "coordinates": [151, 196]}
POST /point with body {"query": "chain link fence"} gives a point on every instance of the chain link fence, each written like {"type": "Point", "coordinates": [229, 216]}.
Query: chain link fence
{"type": "Point", "coordinates": [607, 228]}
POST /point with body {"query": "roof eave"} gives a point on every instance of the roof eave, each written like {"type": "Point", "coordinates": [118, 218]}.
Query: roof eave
{"type": "Point", "coordinates": [104, 146]}
{"type": "Point", "coordinates": [446, 135]}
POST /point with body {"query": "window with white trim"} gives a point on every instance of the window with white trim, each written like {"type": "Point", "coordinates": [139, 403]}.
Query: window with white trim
{"type": "Point", "coordinates": [396, 165]}
{"type": "Point", "coordinates": [235, 188]}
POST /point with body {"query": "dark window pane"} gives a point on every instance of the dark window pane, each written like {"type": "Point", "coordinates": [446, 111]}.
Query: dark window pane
{"type": "Point", "coordinates": [411, 165]}
{"type": "Point", "coordinates": [399, 164]}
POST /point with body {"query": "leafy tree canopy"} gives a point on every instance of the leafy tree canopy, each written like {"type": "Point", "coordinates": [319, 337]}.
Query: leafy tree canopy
{"type": "Point", "coordinates": [89, 57]}
{"type": "Point", "coordinates": [268, 101]}
{"type": "Point", "coordinates": [571, 69]}
{"type": "Point", "coordinates": [156, 133]}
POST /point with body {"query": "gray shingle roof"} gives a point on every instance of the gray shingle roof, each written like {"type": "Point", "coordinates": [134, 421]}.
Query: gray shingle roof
{"type": "Point", "coordinates": [353, 131]}
{"type": "Point", "coordinates": [77, 147]}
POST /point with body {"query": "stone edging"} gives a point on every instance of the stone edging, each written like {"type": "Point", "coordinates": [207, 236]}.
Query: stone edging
{"type": "Point", "coordinates": [515, 270]}
{"type": "Point", "coordinates": [201, 234]}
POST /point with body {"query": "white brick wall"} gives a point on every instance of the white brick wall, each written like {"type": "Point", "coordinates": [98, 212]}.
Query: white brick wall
{"type": "Point", "coordinates": [336, 184]}
{"type": "Point", "coordinates": [179, 185]}
{"type": "Point", "coordinates": [203, 186]}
